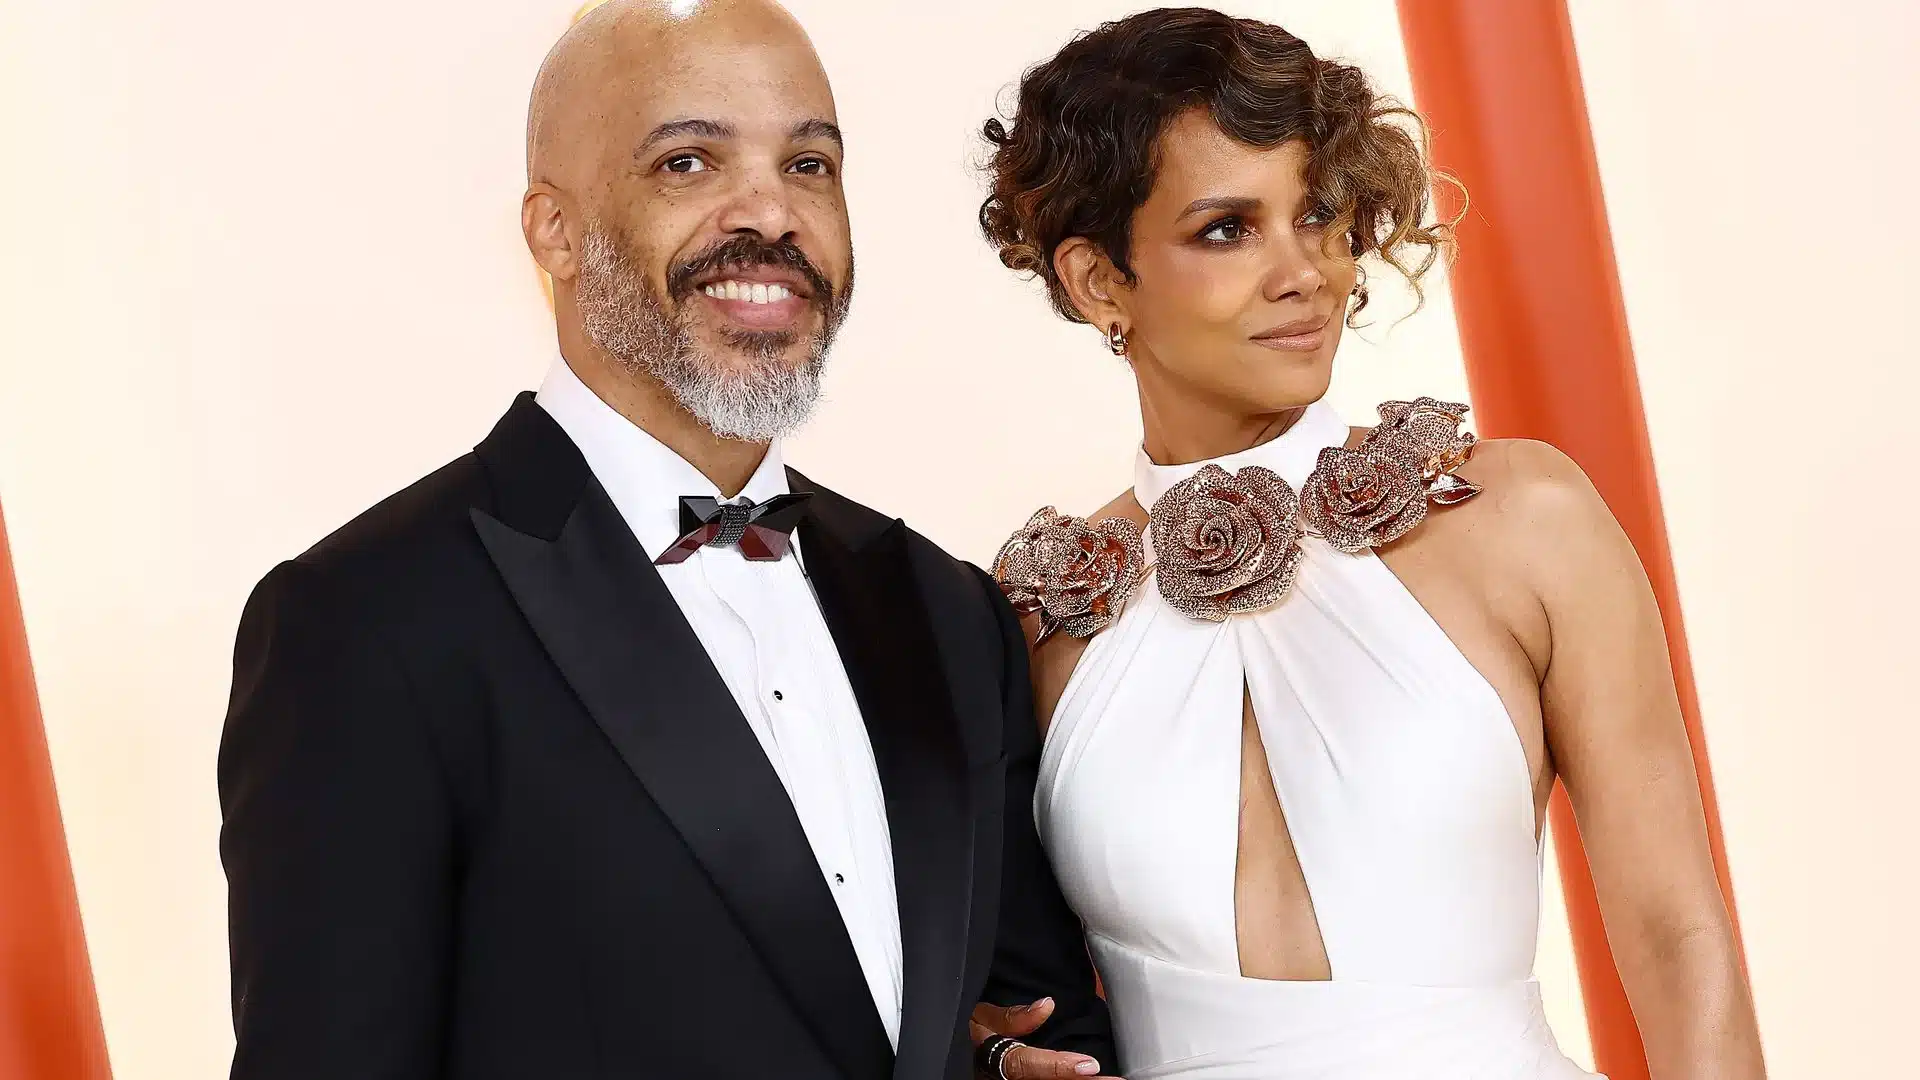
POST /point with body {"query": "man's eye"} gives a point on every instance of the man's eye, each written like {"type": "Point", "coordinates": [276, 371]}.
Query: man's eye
{"type": "Point", "coordinates": [685, 163]}
{"type": "Point", "coordinates": [813, 167]}
{"type": "Point", "coordinates": [1225, 231]}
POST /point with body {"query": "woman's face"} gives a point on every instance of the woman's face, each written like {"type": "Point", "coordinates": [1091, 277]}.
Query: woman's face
{"type": "Point", "coordinates": [1237, 304]}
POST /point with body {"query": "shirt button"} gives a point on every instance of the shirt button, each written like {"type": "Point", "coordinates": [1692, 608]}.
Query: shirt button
{"type": "Point", "coordinates": [839, 879]}
{"type": "Point", "coordinates": [778, 696]}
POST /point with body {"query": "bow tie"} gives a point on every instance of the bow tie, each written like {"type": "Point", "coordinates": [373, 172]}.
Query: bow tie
{"type": "Point", "coordinates": [763, 532]}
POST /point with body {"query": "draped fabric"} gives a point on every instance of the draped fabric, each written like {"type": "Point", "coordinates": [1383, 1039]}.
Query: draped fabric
{"type": "Point", "coordinates": [1406, 790]}
{"type": "Point", "coordinates": [49, 1019]}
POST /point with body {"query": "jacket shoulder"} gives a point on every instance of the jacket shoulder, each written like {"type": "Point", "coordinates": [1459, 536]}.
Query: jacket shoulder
{"type": "Point", "coordinates": [950, 581]}
{"type": "Point", "coordinates": [411, 526]}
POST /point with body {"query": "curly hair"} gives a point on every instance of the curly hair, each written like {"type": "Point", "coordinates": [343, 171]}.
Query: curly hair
{"type": "Point", "coordinates": [1080, 154]}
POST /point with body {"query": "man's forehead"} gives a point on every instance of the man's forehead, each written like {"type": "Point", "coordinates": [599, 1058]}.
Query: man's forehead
{"type": "Point", "coordinates": [624, 70]}
{"type": "Point", "coordinates": [748, 99]}
{"type": "Point", "coordinates": [718, 67]}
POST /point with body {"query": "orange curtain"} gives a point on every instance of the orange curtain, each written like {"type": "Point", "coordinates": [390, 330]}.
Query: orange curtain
{"type": "Point", "coordinates": [1544, 330]}
{"type": "Point", "coordinates": [49, 1020]}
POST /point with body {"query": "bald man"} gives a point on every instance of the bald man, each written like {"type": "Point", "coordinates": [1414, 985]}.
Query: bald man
{"type": "Point", "coordinates": [615, 748]}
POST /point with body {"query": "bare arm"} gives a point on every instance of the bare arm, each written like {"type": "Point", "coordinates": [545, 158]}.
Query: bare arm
{"type": "Point", "coordinates": [1616, 736]}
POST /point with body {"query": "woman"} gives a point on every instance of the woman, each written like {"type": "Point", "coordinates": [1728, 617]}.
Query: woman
{"type": "Point", "coordinates": [1308, 687]}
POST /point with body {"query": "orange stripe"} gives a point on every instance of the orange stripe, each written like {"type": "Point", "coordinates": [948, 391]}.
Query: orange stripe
{"type": "Point", "coordinates": [49, 1020]}
{"type": "Point", "coordinates": [1543, 326]}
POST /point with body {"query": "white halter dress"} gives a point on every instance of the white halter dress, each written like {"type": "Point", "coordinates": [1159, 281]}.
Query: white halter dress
{"type": "Point", "coordinates": [1405, 788]}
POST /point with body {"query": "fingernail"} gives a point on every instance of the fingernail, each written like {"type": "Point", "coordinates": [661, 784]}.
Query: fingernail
{"type": "Point", "coordinates": [1087, 1068]}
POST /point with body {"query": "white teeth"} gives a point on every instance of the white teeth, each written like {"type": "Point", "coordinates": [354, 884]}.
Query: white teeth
{"type": "Point", "coordinates": [751, 292]}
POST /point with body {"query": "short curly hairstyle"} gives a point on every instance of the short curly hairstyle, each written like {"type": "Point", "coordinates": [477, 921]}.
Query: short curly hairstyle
{"type": "Point", "coordinates": [1079, 155]}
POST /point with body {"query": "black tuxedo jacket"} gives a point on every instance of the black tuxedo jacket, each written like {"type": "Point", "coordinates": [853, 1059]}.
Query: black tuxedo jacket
{"type": "Point", "coordinates": [490, 811]}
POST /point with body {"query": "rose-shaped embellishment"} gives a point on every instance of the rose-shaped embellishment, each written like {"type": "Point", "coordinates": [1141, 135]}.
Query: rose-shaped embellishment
{"type": "Point", "coordinates": [1355, 500]}
{"type": "Point", "coordinates": [1225, 544]}
{"type": "Point", "coordinates": [1078, 576]}
{"type": "Point", "coordinates": [1425, 435]}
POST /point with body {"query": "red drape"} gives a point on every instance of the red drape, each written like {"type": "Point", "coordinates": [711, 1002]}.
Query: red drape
{"type": "Point", "coordinates": [49, 1019]}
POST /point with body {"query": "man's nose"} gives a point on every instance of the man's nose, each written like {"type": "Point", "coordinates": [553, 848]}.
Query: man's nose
{"type": "Point", "coordinates": [760, 204]}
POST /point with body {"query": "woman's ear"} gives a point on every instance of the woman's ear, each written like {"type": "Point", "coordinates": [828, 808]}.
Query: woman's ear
{"type": "Point", "coordinates": [1092, 282]}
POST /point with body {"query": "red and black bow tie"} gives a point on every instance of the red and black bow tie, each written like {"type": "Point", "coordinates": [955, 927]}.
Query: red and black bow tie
{"type": "Point", "coordinates": [762, 532]}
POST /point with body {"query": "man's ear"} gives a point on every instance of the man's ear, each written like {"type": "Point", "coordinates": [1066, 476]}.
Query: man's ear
{"type": "Point", "coordinates": [544, 220]}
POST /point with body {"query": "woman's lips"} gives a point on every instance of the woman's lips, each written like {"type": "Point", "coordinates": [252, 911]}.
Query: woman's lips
{"type": "Point", "coordinates": [1303, 335]}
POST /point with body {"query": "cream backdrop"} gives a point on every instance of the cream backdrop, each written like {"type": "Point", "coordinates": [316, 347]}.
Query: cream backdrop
{"type": "Point", "coordinates": [263, 267]}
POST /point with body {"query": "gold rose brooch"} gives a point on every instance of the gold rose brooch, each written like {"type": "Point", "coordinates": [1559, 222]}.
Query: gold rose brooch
{"type": "Point", "coordinates": [1076, 575]}
{"type": "Point", "coordinates": [1227, 543]}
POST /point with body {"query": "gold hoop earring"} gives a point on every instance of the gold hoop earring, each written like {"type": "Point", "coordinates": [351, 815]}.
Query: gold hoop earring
{"type": "Point", "coordinates": [1116, 340]}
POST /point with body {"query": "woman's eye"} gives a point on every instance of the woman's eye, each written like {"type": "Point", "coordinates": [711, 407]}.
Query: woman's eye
{"type": "Point", "coordinates": [1317, 219]}
{"type": "Point", "coordinates": [813, 167]}
{"type": "Point", "coordinates": [1225, 231]}
{"type": "Point", "coordinates": [685, 163]}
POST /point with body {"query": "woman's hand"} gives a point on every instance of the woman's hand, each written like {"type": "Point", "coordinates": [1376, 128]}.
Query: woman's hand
{"type": "Point", "coordinates": [1029, 1062]}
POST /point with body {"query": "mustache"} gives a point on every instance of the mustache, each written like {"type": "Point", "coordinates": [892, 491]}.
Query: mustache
{"type": "Point", "coordinates": [747, 250]}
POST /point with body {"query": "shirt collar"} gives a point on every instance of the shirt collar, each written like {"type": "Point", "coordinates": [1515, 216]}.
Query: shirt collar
{"type": "Point", "coordinates": [642, 475]}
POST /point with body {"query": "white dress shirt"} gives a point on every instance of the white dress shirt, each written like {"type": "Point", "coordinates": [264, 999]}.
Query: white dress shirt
{"type": "Point", "coordinates": [761, 625]}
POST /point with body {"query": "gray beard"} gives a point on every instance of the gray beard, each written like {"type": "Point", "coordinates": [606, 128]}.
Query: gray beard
{"type": "Point", "coordinates": [765, 399]}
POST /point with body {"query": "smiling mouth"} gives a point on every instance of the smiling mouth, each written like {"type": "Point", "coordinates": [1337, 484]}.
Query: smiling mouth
{"type": "Point", "coordinates": [747, 285]}
{"type": "Point", "coordinates": [751, 292]}
{"type": "Point", "coordinates": [756, 307]}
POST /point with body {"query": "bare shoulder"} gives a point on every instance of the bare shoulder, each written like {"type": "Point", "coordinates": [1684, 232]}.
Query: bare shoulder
{"type": "Point", "coordinates": [1535, 486]}
{"type": "Point", "coordinates": [1539, 509]}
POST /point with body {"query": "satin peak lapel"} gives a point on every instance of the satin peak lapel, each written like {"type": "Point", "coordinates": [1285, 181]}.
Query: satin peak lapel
{"type": "Point", "coordinates": [877, 614]}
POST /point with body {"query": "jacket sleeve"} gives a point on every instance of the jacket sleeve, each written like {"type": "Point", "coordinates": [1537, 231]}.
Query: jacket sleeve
{"type": "Point", "coordinates": [1041, 950]}
{"type": "Point", "coordinates": [336, 837]}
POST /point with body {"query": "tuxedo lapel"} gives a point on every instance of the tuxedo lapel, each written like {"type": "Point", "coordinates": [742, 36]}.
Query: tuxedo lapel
{"type": "Point", "coordinates": [860, 569]}
{"type": "Point", "coordinates": [607, 621]}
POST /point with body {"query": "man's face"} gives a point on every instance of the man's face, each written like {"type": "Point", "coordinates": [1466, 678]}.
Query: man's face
{"type": "Point", "coordinates": [720, 259]}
